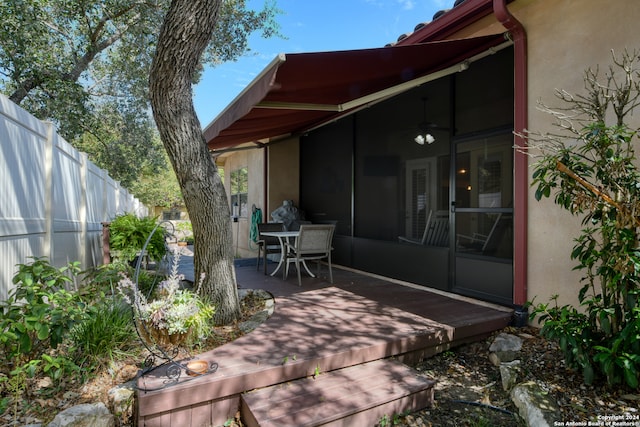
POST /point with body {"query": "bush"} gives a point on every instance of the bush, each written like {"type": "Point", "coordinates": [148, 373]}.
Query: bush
{"type": "Point", "coordinates": [104, 279]}
{"type": "Point", "coordinates": [128, 234]}
{"type": "Point", "coordinates": [597, 179]}
{"type": "Point", "coordinates": [36, 319]}
{"type": "Point", "coordinates": [39, 311]}
{"type": "Point", "coordinates": [107, 333]}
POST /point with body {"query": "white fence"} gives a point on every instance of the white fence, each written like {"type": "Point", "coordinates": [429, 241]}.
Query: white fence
{"type": "Point", "coordinates": [53, 200]}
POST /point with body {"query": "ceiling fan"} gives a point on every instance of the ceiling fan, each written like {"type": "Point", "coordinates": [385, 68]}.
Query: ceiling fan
{"type": "Point", "coordinates": [426, 127]}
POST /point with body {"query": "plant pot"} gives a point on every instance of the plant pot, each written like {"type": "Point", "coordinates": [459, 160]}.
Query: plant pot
{"type": "Point", "coordinates": [162, 337]}
{"type": "Point", "coordinates": [197, 367]}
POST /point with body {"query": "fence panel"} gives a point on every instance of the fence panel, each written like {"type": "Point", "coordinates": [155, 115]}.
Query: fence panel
{"type": "Point", "coordinates": [53, 200]}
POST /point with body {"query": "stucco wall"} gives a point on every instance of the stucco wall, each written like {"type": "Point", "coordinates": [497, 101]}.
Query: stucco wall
{"type": "Point", "coordinates": [565, 38]}
{"type": "Point", "coordinates": [253, 160]}
{"type": "Point", "coordinates": [283, 168]}
{"type": "Point", "coordinates": [284, 173]}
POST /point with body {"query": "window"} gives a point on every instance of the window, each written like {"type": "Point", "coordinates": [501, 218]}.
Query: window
{"type": "Point", "coordinates": [239, 192]}
{"type": "Point", "coordinates": [172, 214]}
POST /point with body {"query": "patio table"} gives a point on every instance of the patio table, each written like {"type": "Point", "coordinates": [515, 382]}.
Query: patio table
{"type": "Point", "coordinates": [283, 238]}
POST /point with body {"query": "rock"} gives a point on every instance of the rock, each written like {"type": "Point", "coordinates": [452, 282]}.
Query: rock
{"type": "Point", "coordinates": [505, 348]}
{"type": "Point", "coordinates": [509, 372]}
{"type": "Point", "coordinates": [121, 401]}
{"type": "Point", "coordinates": [44, 382]}
{"type": "Point", "coordinates": [525, 336]}
{"type": "Point", "coordinates": [255, 321]}
{"type": "Point", "coordinates": [70, 395]}
{"type": "Point", "coordinates": [86, 415]}
{"type": "Point", "coordinates": [126, 373]}
{"type": "Point", "coordinates": [269, 305]}
{"type": "Point", "coordinates": [534, 405]}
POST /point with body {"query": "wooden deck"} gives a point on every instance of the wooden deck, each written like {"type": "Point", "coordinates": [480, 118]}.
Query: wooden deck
{"type": "Point", "coordinates": [318, 327]}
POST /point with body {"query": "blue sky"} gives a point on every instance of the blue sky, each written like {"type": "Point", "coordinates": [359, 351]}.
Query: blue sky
{"type": "Point", "coordinates": [312, 26]}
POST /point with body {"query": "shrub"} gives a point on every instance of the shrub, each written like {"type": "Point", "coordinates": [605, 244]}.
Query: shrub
{"type": "Point", "coordinates": [39, 311]}
{"type": "Point", "coordinates": [106, 334]}
{"type": "Point", "coordinates": [599, 180]}
{"type": "Point", "coordinates": [128, 234]}
{"type": "Point", "coordinates": [36, 320]}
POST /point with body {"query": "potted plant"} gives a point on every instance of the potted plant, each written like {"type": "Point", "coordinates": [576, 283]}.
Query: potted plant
{"type": "Point", "coordinates": [185, 232]}
{"type": "Point", "coordinates": [173, 315]}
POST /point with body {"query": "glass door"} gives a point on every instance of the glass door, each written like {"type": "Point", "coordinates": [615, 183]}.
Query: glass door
{"type": "Point", "coordinates": [483, 217]}
{"type": "Point", "coordinates": [420, 197]}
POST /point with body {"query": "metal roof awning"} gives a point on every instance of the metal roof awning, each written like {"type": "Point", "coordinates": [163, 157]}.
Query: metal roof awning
{"type": "Point", "coordinates": [299, 91]}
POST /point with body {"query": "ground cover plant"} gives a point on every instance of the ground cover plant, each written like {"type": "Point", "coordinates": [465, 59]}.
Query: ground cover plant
{"type": "Point", "coordinates": [590, 167]}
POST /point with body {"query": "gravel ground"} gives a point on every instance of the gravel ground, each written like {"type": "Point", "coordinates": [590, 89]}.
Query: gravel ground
{"type": "Point", "coordinates": [469, 388]}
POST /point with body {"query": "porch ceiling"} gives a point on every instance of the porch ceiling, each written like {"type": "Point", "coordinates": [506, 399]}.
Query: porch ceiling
{"type": "Point", "coordinates": [299, 91]}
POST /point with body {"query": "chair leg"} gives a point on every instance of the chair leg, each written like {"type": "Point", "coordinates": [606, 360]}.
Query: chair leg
{"type": "Point", "coordinates": [298, 269]}
{"type": "Point", "coordinates": [330, 271]}
{"type": "Point", "coordinates": [285, 268]}
{"type": "Point", "coordinates": [258, 259]}
{"type": "Point", "coordinates": [264, 253]}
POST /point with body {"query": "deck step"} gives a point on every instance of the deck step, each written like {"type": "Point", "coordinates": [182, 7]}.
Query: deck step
{"type": "Point", "coordinates": [358, 395]}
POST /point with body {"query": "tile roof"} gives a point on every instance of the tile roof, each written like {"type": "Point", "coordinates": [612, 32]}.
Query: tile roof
{"type": "Point", "coordinates": [420, 25]}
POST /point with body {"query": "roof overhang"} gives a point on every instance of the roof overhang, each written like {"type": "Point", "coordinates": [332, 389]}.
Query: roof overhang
{"type": "Point", "coordinates": [297, 92]}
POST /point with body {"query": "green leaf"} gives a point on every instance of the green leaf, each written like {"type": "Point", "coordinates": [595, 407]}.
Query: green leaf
{"type": "Point", "coordinates": [42, 331]}
{"type": "Point", "coordinates": [588, 374]}
{"type": "Point", "coordinates": [25, 343]}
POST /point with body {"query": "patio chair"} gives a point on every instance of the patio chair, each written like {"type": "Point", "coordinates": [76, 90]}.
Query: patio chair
{"type": "Point", "coordinates": [313, 243]}
{"type": "Point", "coordinates": [436, 230]}
{"type": "Point", "coordinates": [267, 244]}
{"type": "Point", "coordinates": [486, 244]}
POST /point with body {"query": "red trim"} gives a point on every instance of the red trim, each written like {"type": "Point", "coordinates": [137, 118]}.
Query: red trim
{"type": "Point", "coordinates": [521, 187]}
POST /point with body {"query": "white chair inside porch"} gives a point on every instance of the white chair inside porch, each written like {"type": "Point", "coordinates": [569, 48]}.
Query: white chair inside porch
{"type": "Point", "coordinates": [312, 244]}
{"type": "Point", "coordinates": [436, 231]}
{"type": "Point", "coordinates": [485, 244]}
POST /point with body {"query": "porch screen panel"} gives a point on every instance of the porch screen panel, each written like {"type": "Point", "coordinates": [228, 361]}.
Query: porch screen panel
{"type": "Point", "coordinates": [484, 94]}
{"type": "Point", "coordinates": [326, 175]}
{"type": "Point", "coordinates": [397, 180]}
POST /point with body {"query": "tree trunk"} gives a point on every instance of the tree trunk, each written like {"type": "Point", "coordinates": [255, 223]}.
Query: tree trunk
{"type": "Point", "coordinates": [185, 33]}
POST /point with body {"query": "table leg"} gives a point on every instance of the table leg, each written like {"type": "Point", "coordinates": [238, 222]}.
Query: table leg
{"type": "Point", "coordinates": [282, 256]}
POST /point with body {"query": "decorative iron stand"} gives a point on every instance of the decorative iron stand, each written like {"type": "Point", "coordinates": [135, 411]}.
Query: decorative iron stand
{"type": "Point", "coordinates": [157, 351]}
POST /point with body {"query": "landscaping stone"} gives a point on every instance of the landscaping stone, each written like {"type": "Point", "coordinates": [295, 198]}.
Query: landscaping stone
{"type": "Point", "coordinates": [121, 401]}
{"type": "Point", "coordinates": [535, 405]}
{"type": "Point", "coordinates": [509, 372]}
{"type": "Point", "coordinates": [255, 321]}
{"type": "Point", "coordinates": [86, 415]}
{"type": "Point", "coordinates": [126, 373]}
{"type": "Point", "coordinates": [504, 348]}
{"type": "Point", "coordinates": [260, 317]}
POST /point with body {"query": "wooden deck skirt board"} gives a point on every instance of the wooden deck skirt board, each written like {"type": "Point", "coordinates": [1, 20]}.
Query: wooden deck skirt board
{"type": "Point", "coordinates": [335, 398]}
